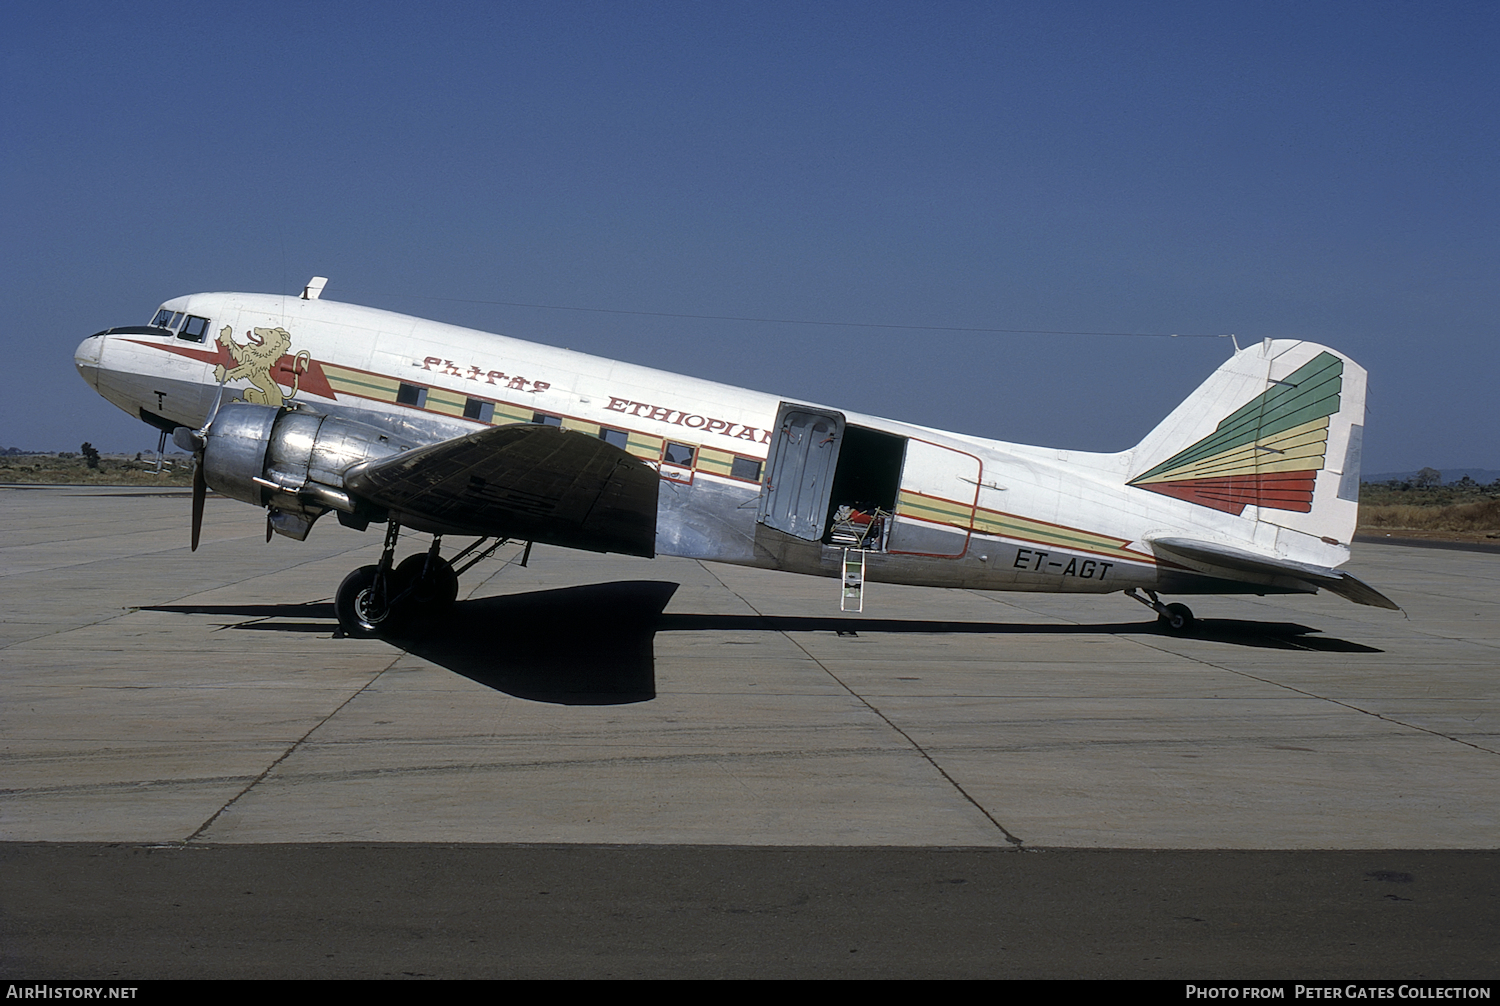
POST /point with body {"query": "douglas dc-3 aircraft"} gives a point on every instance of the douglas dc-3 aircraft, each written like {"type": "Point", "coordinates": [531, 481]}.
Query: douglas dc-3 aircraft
{"type": "Point", "coordinates": [305, 406]}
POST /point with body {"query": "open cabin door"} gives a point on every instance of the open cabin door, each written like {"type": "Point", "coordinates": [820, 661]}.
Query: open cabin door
{"type": "Point", "coordinates": [939, 489]}
{"type": "Point", "coordinates": [799, 480]}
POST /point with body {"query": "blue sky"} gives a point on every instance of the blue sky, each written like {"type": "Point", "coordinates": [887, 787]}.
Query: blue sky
{"type": "Point", "coordinates": [1306, 170]}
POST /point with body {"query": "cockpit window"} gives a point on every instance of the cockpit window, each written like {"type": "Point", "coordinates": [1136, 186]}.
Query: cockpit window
{"type": "Point", "coordinates": [188, 327]}
{"type": "Point", "coordinates": [194, 329]}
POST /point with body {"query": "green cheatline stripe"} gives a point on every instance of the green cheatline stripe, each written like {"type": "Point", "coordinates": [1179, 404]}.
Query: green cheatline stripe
{"type": "Point", "coordinates": [987, 522]}
{"type": "Point", "coordinates": [1055, 536]}
{"type": "Point", "coordinates": [935, 505]}
{"type": "Point", "coordinates": [959, 514]}
{"type": "Point", "coordinates": [1318, 383]}
{"type": "Point", "coordinates": [361, 384]}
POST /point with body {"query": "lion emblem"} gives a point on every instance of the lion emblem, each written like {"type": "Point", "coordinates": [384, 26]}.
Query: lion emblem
{"type": "Point", "coordinates": [253, 362]}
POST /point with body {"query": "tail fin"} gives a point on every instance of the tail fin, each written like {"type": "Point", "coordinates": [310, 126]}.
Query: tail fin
{"type": "Point", "coordinates": [1277, 428]}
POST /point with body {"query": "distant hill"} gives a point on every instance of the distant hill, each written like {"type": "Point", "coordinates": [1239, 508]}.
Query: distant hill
{"type": "Point", "coordinates": [1484, 476]}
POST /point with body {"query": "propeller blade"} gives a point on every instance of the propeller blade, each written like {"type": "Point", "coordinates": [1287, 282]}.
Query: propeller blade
{"type": "Point", "coordinates": [200, 492]}
{"type": "Point", "coordinates": [199, 438]}
{"type": "Point", "coordinates": [268, 525]}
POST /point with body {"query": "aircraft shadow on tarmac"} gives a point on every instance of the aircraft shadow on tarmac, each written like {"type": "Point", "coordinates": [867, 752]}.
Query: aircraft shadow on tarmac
{"type": "Point", "coordinates": [594, 644]}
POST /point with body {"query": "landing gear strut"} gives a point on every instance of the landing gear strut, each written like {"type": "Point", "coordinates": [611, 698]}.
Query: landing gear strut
{"type": "Point", "coordinates": [378, 598]}
{"type": "Point", "coordinates": [1175, 618]}
{"type": "Point", "coordinates": [365, 599]}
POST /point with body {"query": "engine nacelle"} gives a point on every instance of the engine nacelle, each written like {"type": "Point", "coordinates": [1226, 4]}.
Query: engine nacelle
{"type": "Point", "coordinates": [290, 460]}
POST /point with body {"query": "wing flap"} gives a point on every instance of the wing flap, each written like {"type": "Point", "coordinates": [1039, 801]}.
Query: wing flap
{"type": "Point", "coordinates": [524, 481]}
{"type": "Point", "coordinates": [1216, 559]}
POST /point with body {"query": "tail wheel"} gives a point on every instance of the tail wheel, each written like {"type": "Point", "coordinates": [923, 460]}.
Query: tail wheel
{"type": "Point", "coordinates": [1177, 619]}
{"type": "Point", "coordinates": [360, 607]}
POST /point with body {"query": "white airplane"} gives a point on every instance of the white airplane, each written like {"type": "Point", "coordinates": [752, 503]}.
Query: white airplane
{"type": "Point", "coordinates": [305, 406]}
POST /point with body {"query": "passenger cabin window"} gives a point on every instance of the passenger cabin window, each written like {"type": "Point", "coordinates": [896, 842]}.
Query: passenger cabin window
{"type": "Point", "coordinates": [679, 454]}
{"type": "Point", "coordinates": [546, 420]}
{"type": "Point", "coordinates": [411, 394]}
{"type": "Point", "coordinates": [615, 438]}
{"type": "Point", "coordinates": [478, 408]}
{"type": "Point", "coordinates": [746, 468]}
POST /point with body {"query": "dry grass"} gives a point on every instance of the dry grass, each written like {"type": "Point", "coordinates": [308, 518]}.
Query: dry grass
{"type": "Point", "coordinates": [1474, 518]}
{"type": "Point", "coordinates": [45, 469]}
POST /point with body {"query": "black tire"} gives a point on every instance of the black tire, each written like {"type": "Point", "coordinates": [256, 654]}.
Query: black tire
{"type": "Point", "coordinates": [1177, 619]}
{"type": "Point", "coordinates": [358, 616]}
{"type": "Point", "coordinates": [434, 592]}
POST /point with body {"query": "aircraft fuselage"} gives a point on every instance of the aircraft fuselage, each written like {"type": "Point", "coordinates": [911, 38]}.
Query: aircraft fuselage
{"type": "Point", "coordinates": [745, 477]}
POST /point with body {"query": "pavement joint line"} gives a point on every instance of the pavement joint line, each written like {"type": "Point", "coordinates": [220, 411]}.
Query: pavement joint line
{"type": "Point", "coordinates": [1460, 639]}
{"type": "Point", "coordinates": [249, 621]}
{"type": "Point", "coordinates": [1299, 691]}
{"type": "Point", "coordinates": [1269, 606]}
{"type": "Point", "coordinates": [87, 788]}
{"type": "Point", "coordinates": [1010, 602]}
{"type": "Point", "coordinates": [1019, 843]}
{"type": "Point", "coordinates": [1323, 698]}
{"type": "Point", "coordinates": [514, 560]}
{"type": "Point", "coordinates": [112, 558]}
{"type": "Point", "coordinates": [135, 608]}
{"type": "Point", "coordinates": [715, 758]}
{"type": "Point", "coordinates": [297, 743]}
{"type": "Point", "coordinates": [293, 747]}
{"type": "Point", "coordinates": [78, 540]}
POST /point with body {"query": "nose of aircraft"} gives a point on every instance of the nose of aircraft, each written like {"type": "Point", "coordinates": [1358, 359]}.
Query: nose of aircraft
{"type": "Point", "coordinates": [90, 351]}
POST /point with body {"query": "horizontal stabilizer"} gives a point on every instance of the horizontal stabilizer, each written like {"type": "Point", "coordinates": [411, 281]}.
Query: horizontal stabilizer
{"type": "Point", "coordinates": [525, 481]}
{"type": "Point", "coordinates": [1216, 559]}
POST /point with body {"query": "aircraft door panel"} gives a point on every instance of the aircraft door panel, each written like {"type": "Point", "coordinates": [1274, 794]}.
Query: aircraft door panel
{"type": "Point", "coordinates": [939, 489]}
{"type": "Point", "coordinates": [799, 479]}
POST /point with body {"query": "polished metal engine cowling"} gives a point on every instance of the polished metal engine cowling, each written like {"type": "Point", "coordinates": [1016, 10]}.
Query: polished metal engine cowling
{"type": "Point", "coordinates": [292, 460]}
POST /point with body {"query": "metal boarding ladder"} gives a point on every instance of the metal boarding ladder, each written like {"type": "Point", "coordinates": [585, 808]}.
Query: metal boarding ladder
{"type": "Point", "coordinates": [852, 591]}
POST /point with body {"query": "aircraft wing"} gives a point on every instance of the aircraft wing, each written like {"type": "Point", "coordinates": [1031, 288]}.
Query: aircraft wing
{"type": "Point", "coordinates": [526, 481]}
{"type": "Point", "coordinates": [1222, 560]}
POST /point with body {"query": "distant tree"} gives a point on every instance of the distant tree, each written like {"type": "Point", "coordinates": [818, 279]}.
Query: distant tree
{"type": "Point", "coordinates": [1467, 483]}
{"type": "Point", "coordinates": [90, 456]}
{"type": "Point", "coordinates": [1429, 477]}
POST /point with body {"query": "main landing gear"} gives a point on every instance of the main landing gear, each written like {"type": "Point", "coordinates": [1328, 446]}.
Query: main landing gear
{"type": "Point", "coordinates": [379, 598]}
{"type": "Point", "coordinates": [1175, 618]}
